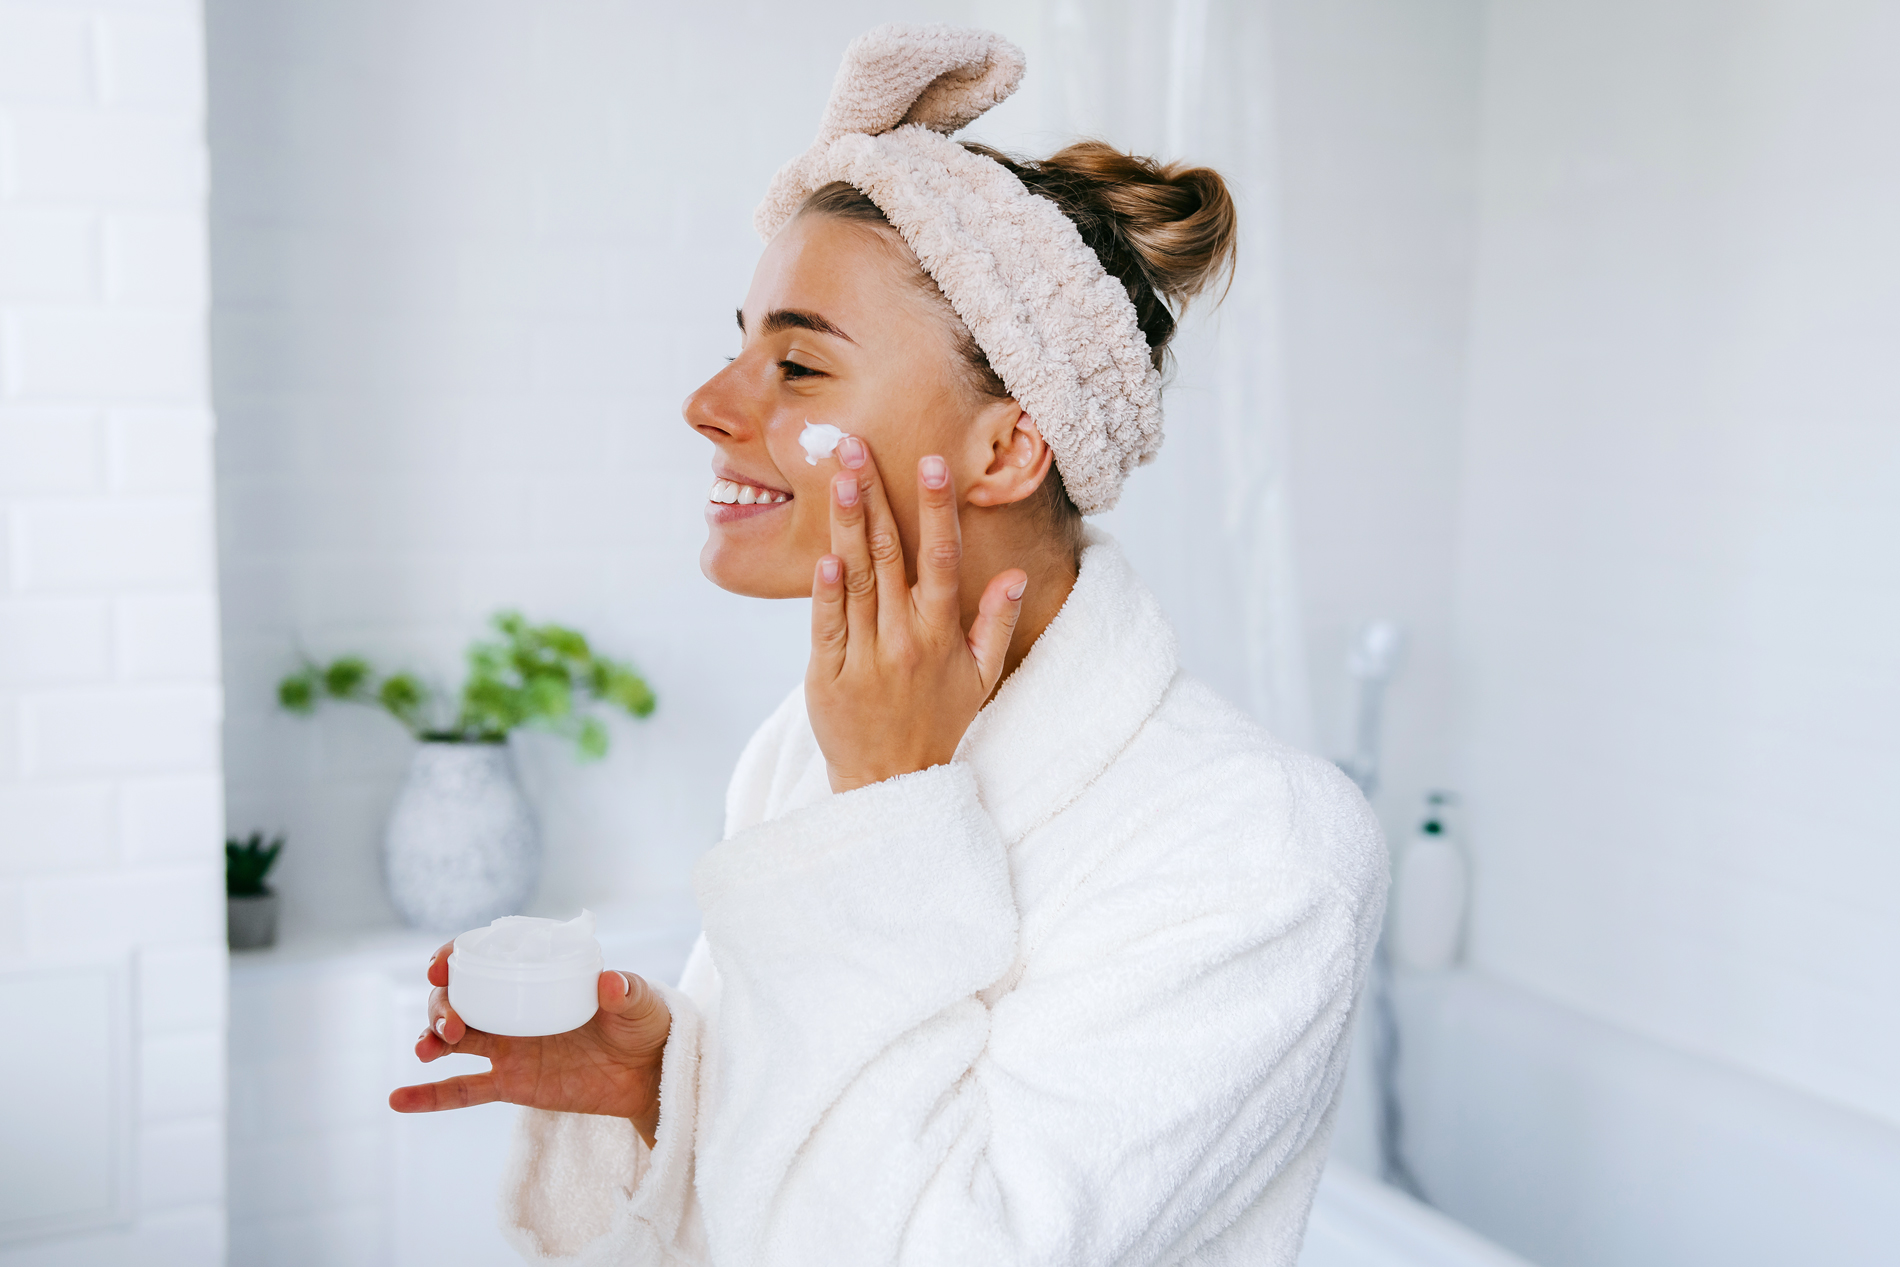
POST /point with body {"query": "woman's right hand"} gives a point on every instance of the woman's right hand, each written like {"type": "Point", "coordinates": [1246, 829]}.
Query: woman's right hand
{"type": "Point", "coordinates": [610, 1066]}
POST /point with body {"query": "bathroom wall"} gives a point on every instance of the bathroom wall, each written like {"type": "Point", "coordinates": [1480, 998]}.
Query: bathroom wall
{"type": "Point", "coordinates": [1377, 134]}
{"type": "Point", "coordinates": [112, 956]}
{"type": "Point", "coordinates": [468, 260]}
{"type": "Point", "coordinates": [1680, 593]}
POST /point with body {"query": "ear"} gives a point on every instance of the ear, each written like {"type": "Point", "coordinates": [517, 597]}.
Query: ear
{"type": "Point", "coordinates": [1018, 458]}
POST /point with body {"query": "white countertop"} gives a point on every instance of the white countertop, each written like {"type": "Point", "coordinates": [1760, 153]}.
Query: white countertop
{"type": "Point", "coordinates": [627, 931]}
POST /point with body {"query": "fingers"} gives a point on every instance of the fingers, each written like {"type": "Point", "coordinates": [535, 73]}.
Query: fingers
{"type": "Point", "coordinates": [864, 534]}
{"type": "Point", "coordinates": [997, 613]}
{"type": "Point", "coordinates": [450, 1093]}
{"type": "Point", "coordinates": [629, 997]}
{"type": "Point", "coordinates": [885, 546]}
{"type": "Point", "coordinates": [829, 626]}
{"type": "Point", "coordinates": [431, 1045]}
{"type": "Point", "coordinates": [847, 543]}
{"type": "Point", "coordinates": [443, 1022]}
{"type": "Point", "coordinates": [621, 991]}
{"type": "Point", "coordinates": [939, 545]}
{"type": "Point", "coordinates": [634, 1018]}
{"type": "Point", "coordinates": [447, 1033]}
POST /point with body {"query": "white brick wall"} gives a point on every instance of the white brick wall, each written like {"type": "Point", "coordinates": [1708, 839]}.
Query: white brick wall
{"type": "Point", "coordinates": [110, 781]}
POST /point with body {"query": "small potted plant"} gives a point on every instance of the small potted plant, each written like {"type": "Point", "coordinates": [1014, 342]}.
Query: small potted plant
{"type": "Point", "coordinates": [461, 847]}
{"type": "Point", "coordinates": [250, 908]}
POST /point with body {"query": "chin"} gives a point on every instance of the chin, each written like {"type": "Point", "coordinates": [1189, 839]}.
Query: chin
{"type": "Point", "coordinates": [747, 573]}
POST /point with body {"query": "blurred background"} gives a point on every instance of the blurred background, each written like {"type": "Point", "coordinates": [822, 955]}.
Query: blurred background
{"type": "Point", "coordinates": [1545, 456]}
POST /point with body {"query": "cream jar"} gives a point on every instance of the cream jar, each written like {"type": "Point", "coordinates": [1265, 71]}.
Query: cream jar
{"type": "Point", "coordinates": [524, 977]}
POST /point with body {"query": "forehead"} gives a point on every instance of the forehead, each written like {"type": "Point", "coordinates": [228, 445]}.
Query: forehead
{"type": "Point", "coordinates": [860, 279]}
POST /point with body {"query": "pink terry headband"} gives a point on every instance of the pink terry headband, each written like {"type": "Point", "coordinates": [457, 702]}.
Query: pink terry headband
{"type": "Point", "coordinates": [1059, 331]}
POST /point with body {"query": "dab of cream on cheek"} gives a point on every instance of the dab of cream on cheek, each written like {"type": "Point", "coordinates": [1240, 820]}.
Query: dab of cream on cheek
{"type": "Point", "coordinates": [524, 977]}
{"type": "Point", "coordinates": [820, 439]}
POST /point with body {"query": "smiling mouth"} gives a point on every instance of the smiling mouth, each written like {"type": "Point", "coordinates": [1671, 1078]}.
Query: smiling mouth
{"type": "Point", "coordinates": [733, 493]}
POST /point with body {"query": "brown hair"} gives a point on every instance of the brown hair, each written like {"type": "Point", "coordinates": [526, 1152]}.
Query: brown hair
{"type": "Point", "coordinates": [1165, 231]}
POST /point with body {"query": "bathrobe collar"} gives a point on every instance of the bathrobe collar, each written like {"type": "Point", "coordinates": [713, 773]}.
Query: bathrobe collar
{"type": "Point", "coordinates": [1094, 676]}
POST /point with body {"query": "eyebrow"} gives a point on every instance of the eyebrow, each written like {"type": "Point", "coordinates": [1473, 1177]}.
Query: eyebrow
{"type": "Point", "coordinates": [794, 319]}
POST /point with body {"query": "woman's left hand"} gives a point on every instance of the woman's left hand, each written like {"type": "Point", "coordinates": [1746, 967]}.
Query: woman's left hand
{"type": "Point", "coordinates": [609, 1066]}
{"type": "Point", "coordinates": [894, 679]}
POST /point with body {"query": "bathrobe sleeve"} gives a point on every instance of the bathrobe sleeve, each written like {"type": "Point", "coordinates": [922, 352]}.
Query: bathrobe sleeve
{"type": "Point", "coordinates": [903, 1073]}
{"type": "Point", "coordinates": [586, 1190]}
{"type": "Point", "coordinates": [907, 1075]}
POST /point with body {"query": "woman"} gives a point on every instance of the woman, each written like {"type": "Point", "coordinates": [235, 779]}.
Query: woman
{"type": "Point", "coordinates": [1021, 946]}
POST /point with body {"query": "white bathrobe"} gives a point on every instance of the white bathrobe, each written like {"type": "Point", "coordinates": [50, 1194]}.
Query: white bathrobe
{"type": "Point", "coordinates": [1080, 996]}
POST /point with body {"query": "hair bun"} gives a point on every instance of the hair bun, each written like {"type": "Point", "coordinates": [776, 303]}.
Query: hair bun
{"type": "Point", "coordinates": [1165, 230]}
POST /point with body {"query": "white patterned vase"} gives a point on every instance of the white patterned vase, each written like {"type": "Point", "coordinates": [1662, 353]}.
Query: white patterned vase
{"type": "Point", "coordinates": [461, 848]}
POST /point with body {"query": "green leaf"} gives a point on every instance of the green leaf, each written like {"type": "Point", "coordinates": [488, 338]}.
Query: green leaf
{"type": "Point", "coordinates": [246, 863]}
{"type": "Point", "coordinates": [404, 696]}
{"type": "Point", "coordinates": [298, 692]}
{"type": "Point", "coordinates": [629, 690]}
{"type": "Point", "coordinates": [566, 643]}
{"type": "Point", "coordinates": [345, 677]}
{"type": "Point", "coordinates": [549, 699]}
{"type": "Point", "coordinates": [592, 740]}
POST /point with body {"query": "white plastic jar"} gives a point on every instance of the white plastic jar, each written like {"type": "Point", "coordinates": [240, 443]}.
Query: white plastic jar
{"type": "Point", "coordinates": [525, 977]}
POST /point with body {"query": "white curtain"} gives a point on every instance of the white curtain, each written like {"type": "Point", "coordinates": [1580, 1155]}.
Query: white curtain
{"type": "Point", "coordinates": [1208, 524]}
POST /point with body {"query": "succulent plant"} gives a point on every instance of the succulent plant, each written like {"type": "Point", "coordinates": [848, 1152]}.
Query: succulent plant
{"type": "Point", "coordinates": [247, 862]}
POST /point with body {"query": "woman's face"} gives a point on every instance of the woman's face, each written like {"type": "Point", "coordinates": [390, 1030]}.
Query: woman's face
{"type": "Point", "coordinates": [835, 329]}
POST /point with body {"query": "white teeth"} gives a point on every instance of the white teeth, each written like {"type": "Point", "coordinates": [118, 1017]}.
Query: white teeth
{"type": "Point", "coordinates": [731, 493]}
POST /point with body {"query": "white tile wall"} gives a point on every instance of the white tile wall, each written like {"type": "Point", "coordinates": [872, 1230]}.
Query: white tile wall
{"type": "Point", "coordinates": [110, 801]}
{"type": "Point", "coordinates": [1680, 602]}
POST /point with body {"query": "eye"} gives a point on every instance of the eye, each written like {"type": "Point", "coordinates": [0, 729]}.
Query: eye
{"type": "Point", "coordinates": [794, 370]}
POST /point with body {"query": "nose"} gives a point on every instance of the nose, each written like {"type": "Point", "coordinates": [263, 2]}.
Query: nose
{"type": "Point", "coordinates": [717, 408]}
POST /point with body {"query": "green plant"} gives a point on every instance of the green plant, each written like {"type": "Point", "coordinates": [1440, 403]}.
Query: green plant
{"type": "Point", "coordinates": [541, 676]}
{"type": "Point", "coordinates": [247, 862]}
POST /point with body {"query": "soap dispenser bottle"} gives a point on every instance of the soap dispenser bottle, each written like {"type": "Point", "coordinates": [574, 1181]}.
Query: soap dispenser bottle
{"type": "Point", "coordinates": [1429, 887]}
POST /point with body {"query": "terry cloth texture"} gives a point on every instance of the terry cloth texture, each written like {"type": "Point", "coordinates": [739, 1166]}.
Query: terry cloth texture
{"type": "Point", "coordinates": [1081, 996]}
{"type": "Point", "coordinates": [1058, 330]}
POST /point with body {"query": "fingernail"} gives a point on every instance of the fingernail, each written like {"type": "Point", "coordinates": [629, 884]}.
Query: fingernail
{"type": "Point", "coordinates": [828, 568]}
{"type": "Point", "coordinates": [851, 452]}
{"type": "Point", "coordinates": [936, 474]}
{"type": "Point", "coordinates": [1016, 591]}
{"type": "Point", "coordinates": [629, 981]}
{"type": "Point", "coordinates": [424, 1034]}
{"type": "Point", "coordinates": [847, 492]}
{"type": "Point", "coordinates": [442, 1028]}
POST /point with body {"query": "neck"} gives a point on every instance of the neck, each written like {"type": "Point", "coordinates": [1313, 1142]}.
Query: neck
{"type": "Point", "coordinates": [994, 542]}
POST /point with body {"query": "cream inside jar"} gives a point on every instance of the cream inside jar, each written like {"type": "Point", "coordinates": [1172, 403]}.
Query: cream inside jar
{"type": "Point", "coordinates": [525, 977]}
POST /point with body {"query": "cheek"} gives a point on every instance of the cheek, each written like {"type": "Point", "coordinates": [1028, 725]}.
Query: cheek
{"type": "Point", "coordinates": [810, 483]}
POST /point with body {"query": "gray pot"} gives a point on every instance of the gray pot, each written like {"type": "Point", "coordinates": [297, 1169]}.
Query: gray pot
{"type": "Point", "coordinates": [250, 923]}
{"type": "Point", "coordinates": [461, 847]}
